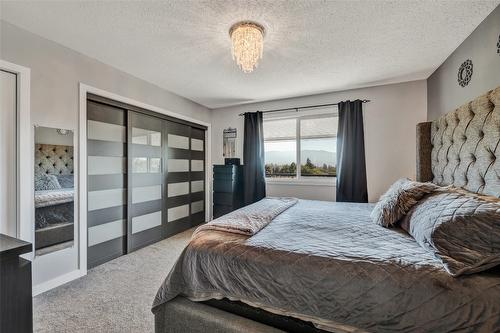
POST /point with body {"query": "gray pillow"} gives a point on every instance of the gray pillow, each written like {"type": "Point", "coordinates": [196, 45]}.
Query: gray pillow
{"type": "Point", "coordinates": [398, 200]}
{"type": "Point", "coordinates": [461, 230]}
{"type": "Point", "coordinates": [45, 182]}
{"type": "Point", "coordinates": [66, 181]}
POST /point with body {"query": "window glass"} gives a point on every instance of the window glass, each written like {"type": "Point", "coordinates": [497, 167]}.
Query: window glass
{"type": "Point", "coordinates": [280, 158]}
{"type": "Point", "coordinates": [139, 165]}
{"type": "Point", "coordinates": [155, 139]}
{"type": "Point", "coordinates": [280, 148]}
{"type": "Point", "coordinates": [318, 143]}
{"type": "Point", "coordinates": [146, 165]}
{"type": "Point", "coordinates": [155, 165]}
{"type": "Point", "coordinates": [146, 137]}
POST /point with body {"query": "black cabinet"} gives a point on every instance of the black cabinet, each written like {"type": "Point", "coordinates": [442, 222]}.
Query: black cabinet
{"type": "Point", "coordinates": [16, 309]}
{"type": "Point", "coordinates": [228, 189]}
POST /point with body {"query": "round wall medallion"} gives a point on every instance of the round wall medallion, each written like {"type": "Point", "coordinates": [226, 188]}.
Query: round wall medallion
{"type": "Point", "coordinates": [465, 73]}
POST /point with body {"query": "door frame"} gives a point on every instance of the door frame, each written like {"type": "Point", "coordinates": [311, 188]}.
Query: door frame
{"type": "Point", "coordinates": [25, 214]}
{"type": "Point", "coordinates": [82, 161]}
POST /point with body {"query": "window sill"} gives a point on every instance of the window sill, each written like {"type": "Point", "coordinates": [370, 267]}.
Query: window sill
{"type": "Point", "coordinates": [330, 182]}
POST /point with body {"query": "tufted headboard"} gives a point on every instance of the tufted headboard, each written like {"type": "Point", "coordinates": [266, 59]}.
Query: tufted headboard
{"type": "Point", "coordinates": [53, 159]}
{"type": "Point", "coordinates": [462, 148]}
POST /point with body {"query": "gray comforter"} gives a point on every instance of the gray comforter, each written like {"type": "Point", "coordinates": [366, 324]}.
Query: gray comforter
{"type": "Point", "coordinates": [328, 263]}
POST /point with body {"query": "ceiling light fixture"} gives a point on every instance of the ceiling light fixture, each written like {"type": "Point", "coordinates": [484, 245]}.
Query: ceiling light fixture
{"type": "Point", "coordinates": [247, 44]}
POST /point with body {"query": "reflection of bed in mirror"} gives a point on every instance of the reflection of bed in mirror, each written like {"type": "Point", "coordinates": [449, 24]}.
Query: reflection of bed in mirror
{"type": "Point", "coordinates": [54, 195]}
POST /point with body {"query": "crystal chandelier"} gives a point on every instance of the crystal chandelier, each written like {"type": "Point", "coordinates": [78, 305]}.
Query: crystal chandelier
{"type": "Point", "coordinates": [248, 41]}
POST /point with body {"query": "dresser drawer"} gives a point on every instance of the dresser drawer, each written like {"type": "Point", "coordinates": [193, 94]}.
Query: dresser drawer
{"type": "Point", "coordinates": [223, 186]}
{"type": "Point", "coordinates": [222, 198]}
{"type": "Point", "coordinates": [225, 177]}
{"type": "Point", "coordinates": [224, 170]}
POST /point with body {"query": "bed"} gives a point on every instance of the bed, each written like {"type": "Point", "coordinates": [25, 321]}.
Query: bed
{"type": "Point", "coordinates": [319, 266]}
{"type": "Point", "coordinates": [54, 216]}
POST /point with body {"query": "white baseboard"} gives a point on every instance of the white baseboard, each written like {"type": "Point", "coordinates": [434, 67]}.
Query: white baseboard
{"type": "Point", "coordinates": [59, 281]}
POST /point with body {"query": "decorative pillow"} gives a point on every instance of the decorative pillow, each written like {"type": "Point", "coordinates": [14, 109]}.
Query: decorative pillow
{"type": "Point", "coordinates": [46, 182]}
{"type": "Point", "coordinates": [461, 230]}
{"type": "Point", "coordinates": [398, 200]}
{"type": "Point", "coordinates": [66, 181]}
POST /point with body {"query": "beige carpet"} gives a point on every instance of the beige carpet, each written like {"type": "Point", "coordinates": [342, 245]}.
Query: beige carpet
{"type": "Point", "coordinates": [113, 297]}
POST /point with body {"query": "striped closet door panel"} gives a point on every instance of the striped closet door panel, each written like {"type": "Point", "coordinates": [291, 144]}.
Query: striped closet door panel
{"type": "Point", "coordinates": [146, 178]}
{"type": "Point", "coordinates": [178, 180]}
{"type": "Point", "coordinates": [197, 176]}
{"type": "Point", "coordinates": [106, 182]}
{"type": "Point", "coordinates": [185, 177]}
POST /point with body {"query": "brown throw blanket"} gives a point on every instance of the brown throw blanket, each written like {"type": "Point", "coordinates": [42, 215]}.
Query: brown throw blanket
{"type": "Point", "coordinates": [251, 219]}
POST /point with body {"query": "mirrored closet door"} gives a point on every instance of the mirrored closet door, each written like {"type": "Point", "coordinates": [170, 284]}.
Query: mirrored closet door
{"type": "Point", "coordinates": [54, 189]}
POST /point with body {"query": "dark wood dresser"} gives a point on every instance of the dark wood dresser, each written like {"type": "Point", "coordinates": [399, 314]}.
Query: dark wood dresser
{"type": "Point", "coordinates": [228, 189]}
{"type": "Point", "coordinates": [16, 307]}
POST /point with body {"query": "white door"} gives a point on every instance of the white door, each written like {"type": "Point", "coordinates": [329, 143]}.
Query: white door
{"type": "Point", "coordinates": [8, 153]}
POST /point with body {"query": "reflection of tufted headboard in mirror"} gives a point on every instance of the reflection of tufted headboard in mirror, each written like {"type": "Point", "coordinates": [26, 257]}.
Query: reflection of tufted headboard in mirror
{"type": "Point", "coordinates": [54, 159]}
{"type": "Point", "coordinates": [462, 148]}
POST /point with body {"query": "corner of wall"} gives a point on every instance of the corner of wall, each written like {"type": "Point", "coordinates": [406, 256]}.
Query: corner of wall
{"type": "Point", "coordinates": [444, 93]}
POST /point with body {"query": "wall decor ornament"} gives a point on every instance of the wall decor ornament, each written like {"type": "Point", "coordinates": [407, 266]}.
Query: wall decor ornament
{"type": "Point", "coordinates": [465, 73]}
{"type": "Point", "coordinates": [498, 45]}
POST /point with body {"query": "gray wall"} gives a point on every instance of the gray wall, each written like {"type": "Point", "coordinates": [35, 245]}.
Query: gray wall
{"type": "Point", "coordinates": [444, 94]}
{"type": "Point", "coordinates": [56, 72]}
{"type": "Point", "coordinates": [389, 120]}
{"type": "Point", "coordinates": [49, 136]}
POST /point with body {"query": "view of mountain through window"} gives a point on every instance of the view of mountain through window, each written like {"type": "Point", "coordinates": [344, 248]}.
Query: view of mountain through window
{"type": "Point", "coordinates": [317, 141]}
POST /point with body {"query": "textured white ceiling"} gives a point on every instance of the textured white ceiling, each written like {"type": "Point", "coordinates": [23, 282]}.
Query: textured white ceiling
{"type": "Point", "coordinates": [311, 46]}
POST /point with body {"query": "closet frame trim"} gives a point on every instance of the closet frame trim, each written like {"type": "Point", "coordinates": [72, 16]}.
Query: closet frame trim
{"type": "Point", "coordinates": [130, 107]}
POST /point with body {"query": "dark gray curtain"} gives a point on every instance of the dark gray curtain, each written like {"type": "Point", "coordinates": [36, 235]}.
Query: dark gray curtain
{"type": "Point", "coordinates": [253, 158]}
{"type": "Point", "coordinates": [351, 167]}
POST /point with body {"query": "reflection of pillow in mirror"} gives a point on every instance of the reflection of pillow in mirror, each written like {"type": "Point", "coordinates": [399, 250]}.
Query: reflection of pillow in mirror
{"type": "Point", "coordinates": [45, 182]}
{"type": "Point", "coordinates": [66, 181]}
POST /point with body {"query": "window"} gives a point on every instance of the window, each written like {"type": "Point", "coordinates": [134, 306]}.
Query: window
{"type": "Point", "coordinates": [311, 140]}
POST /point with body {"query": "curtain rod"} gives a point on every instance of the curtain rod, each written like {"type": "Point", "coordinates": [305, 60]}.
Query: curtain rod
{"type": "Point", "coordinates": [303, 107]}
